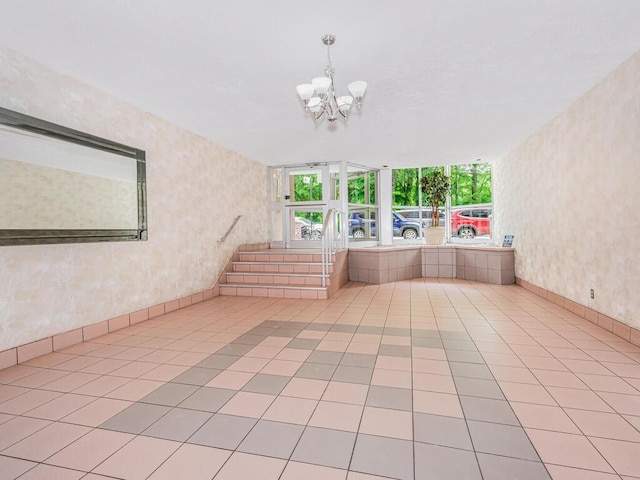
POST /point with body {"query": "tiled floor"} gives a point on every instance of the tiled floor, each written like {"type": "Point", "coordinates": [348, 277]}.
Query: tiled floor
{"type": "Point", "coordinates": [422, 379]}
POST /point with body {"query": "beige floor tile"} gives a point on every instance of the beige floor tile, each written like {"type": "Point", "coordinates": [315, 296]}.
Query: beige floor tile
{"type": "Point", "coordinates": [337, 416]}
{"type": "Point", "coordinates": [568, 450]}
{"type": "Point", "coordinates": [134, 390]}
{"type": "Point", "coordinates": [434, 383]}
{"type": "Point", "coordinates": [244, 465]}
{"type": "Point", "coordinates": [387, 423]}
{"type": "Point", "coordinates": [89, 451]}
{"type": "Point", "coordinates": [138, 458]}
{"type": "Point", "coordinates": [306, 471]}
{"type": "Point", "coordinates": [46, 442]}
{"type": "Point", "coordinates": [248, 404]}
{"type": "Point", "coordinates": [391, 378]}
{"type": "Point", "coordinates": [346, 393]}
{"type": "Point", "coordinates": [231, 380]}
{"type": "Point", "coordinates": [193, 462]}
{"type": "Point", "coordinates": [305, 388]}
{"type": "Point", "coordinates": [291, 410]}
{"type": "Point", "coordinates": [437, 404]}
{"type": "Point", "coordinates": [97, 412]}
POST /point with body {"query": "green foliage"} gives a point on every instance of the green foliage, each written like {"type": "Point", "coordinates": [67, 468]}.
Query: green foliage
{"type": "Point", "coordinates": [471, 184]}
{"type": "Point", "coordinates": [435, 188]}
{"type": "Point", "coordinates": [404, 187]}
{"type": "Point", "coordinates": [357, 188]}
{"type": "Point", "coordinates": [306, 192]}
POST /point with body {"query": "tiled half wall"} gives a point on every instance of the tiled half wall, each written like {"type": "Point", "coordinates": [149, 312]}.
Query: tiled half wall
{"type": "Point", "coordinates": [391, 264]}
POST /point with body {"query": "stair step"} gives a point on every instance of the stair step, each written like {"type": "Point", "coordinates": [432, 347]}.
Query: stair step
{"type": "Point", "coordinates": [273, 291]}
{"type": "Point", "coordinates": [284, 279]}
{"type": "Point", "coordinates": [282, 257]}
{"type": "Point", "coordinates": [280, 267]}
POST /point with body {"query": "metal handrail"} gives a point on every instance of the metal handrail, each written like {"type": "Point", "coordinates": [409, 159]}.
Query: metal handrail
{"type": "Point", "coordinates": [233, 225]}
{"type": "Point", "coordinates": [329, 240]}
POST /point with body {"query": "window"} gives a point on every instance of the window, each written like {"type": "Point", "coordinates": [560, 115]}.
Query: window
{"type": "Point", "coordinates": [470, 199]}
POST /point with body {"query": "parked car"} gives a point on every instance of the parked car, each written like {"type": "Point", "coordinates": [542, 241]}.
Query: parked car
{"type": "Point", "coordinates": [308, 229]}
{"type": "Point", "coordinates": [470, 222]}
{"type": "Point", "coordinates": [401, 226]}
{"type": "Point", "coordinates": [413, 214]}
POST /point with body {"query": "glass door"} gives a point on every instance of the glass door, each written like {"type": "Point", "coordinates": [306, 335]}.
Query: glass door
{"type": "Point", "coordinates": [306, 190]}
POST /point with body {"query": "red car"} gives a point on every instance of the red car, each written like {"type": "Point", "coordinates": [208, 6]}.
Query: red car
{"type": "Point", "coordinates": [470, 222]}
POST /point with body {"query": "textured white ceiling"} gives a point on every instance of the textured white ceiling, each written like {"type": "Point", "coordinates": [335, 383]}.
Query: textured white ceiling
{"type": "Point", "coordinates": [449, 80]}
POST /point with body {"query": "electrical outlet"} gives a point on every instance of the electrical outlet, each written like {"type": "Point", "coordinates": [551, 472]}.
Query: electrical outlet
{"type": "Point", "coordinates": [593, 294]}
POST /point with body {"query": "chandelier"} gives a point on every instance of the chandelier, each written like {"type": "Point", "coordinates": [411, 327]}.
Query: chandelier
{"type": "Point", "coordinates": [319, 96]}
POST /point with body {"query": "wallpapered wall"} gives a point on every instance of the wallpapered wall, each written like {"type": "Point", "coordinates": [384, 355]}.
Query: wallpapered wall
{"type": "Point", "coordinates": [195, 189]}
{"type": "Point", "coordinates": [571, 195]}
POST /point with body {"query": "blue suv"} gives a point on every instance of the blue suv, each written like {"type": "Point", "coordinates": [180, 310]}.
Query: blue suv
{"type": "Point", "coordinates": [401, 226]}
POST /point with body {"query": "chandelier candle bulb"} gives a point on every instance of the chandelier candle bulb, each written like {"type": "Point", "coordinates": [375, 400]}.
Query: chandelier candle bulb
{"type": "Point", "coordinates": [319, 96]}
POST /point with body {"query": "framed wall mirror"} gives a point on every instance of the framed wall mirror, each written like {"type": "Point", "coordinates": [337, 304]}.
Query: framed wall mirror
{"type": "Point", "coordinates": [59, 185]}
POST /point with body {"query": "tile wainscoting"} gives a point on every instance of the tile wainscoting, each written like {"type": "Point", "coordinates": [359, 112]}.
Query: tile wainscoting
{"type": "Point", "coordinates": [390, 264]}
{"type": "Point", "coordinates": [614, 326]}
{"type": "Point", "coordinates": [29, 351]}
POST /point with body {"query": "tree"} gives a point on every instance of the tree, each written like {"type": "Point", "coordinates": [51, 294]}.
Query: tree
{"type": "Point", "coordinates": [435, 187]}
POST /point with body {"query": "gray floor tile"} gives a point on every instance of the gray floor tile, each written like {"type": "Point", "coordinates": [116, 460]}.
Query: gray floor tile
{"type": "Point", "coordinates": [389, 457]}
{"type": "Point", "coordinates": [170, 394]}
{"type": "Point", "coordinates": [178, 424]}
{"type": "Point", "coordinates": [135, 418]}
{"type": "Point", "coordinates": [322, 446]}
{"type": "Point", "coordinates": [444, 463]}
{"type": "Point", "coordinates": [471, 370]}
{"type": "Point", "coordinates": [345, 373]}
{"type": "Point", "coordinates": [369, 330]}
{"type": "Point", "coordinates": [344, 328]}
{"type": "Point", "coordinates": [488, 410]}
{"type": "Point", "coordinates": [298, 325]}
{"type": "Point", "coordinates": [454, 335]}
{"type": "Point", "coordinates": [464, 356]}
{"type": "Point", "coordinates": [505, 440]}
{"type": "Point", "coordinates": [476, 387]}
{"type": "Point", "coordinates": [459, 344]}
{"type": "Point", "coordinates": [249, 339]}
{"type": "Point", "coordinates": [389, 397]}
{"type": "Point", "coordinates": [208, 399]}
{"type": "Point", "coordinates": [395, 350]}
{"type": "Point", "coordinates": [236, 349]}
{"type": "Point", "coordinates": [303, 343]}
{"type": "Point", "coordinates": [223, 431]}
{"type": "Point", "coordinates": [317, 371]}
{"type": "Point", "coordinates": [273, 323]}
{"type": "Point", "coordinates": [397, 331]}
{"type": "Point", "coordinates": [272, 439]}
{"type": "Point", "coordinates": [504, 468]}
{"type": "Point", "coordinates": [218, 361]}
{"type": "Point", "coordinates": [263, 383]}
{"type": "Point", "coordinates": [319, 327]}
{"type": "Point", "coordinates": [197, 376]}
{"type": "Point", "coordinates": [424, 333]}
{"type": "Point", "coordinates": [288, 332]}
{"type": "Point", "coordinates": [320, 356]}
{"type": "Point", "coordinates": [426, 342]}
{"type": "Point", "coordinates": [444, 431]}
{"type": "Point", "coordinates": [358, 360]}
{"type": "Point", "coordinates": [263, 331]}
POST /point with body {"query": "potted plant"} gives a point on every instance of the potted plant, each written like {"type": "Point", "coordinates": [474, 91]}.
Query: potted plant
{"type": "Point", "coordinates": [435, 188]}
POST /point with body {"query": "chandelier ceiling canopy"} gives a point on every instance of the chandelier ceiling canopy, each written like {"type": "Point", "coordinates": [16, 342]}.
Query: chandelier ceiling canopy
{"type": "Point", "coordinates": [319, 96]}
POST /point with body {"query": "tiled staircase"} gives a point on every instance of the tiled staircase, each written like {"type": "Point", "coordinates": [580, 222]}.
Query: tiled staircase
{"type": "Point", "coordinates": [279, 274]}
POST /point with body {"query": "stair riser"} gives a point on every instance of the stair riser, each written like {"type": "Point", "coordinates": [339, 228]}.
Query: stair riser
{"type": "Point", "coordinates": [278, 268]}
{"type": "Point", "coordinates": [275, 280]}
{"type": "Point", "coordinates": [284, 257]}
{"type": "Point", "coordinates": [275, 292]}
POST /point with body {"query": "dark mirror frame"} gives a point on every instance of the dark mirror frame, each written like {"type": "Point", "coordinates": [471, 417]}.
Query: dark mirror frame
{"type": "Point", "coordinates": [38, 237]}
